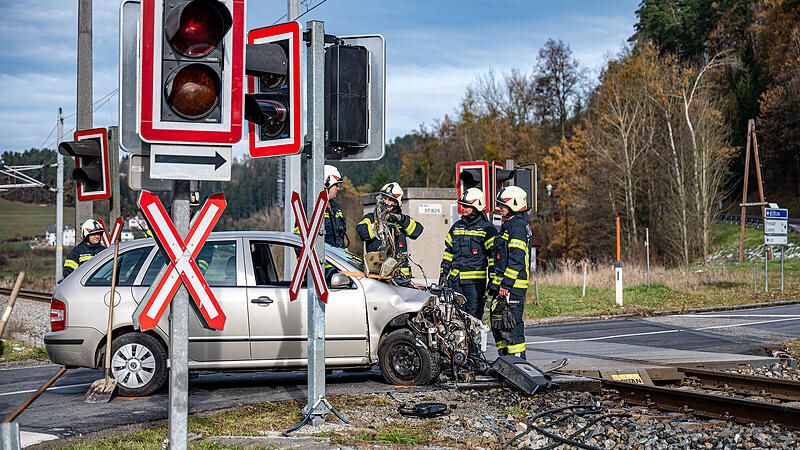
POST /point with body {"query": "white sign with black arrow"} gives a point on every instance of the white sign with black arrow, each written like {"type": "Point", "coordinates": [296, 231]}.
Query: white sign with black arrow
{"type": "Point", "coordinates": [190, 162]}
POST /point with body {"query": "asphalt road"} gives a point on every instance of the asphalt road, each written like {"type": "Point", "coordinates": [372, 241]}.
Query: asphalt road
{"type": "Point", "coordinates": [60, 411]}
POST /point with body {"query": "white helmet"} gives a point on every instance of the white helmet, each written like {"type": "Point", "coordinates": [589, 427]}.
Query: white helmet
{"type": "Point", "coordinates": [394, 191]}
{"type": "Point", "coordinates": [513, 197]}
{"type": "Point", "coordinates": [91, 226]}
{"type": "Point", "coordinates": [332, 176]}
{"type": "Point", "coordinates": [473, 197]}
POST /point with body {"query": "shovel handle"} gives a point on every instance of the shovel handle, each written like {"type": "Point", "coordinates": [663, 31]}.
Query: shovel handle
{"type": "Point", "coordinates": [111, 309]}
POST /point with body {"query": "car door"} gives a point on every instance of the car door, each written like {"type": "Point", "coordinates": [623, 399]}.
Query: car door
{"type": "Point", "coordinates": [98, 283]}
{"type": "Point", "coordinates": [278, 326]}
{"type": "Point", "coordinates": [222, 265]}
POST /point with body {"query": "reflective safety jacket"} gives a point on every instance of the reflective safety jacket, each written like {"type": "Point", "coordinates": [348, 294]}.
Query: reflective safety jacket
{"type": "Point", "coordinates": [80, 254]}
{"type": "Point", "coordinates": [469, 250]}
{"type": "Point", "coordinates": [407, 227]}
{"type": "Point", "coordinates": [335, 225]}
{"type": "Point", "coordinates": [513, 255]}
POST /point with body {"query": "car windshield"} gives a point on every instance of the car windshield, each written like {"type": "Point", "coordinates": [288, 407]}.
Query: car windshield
{"type": "Point", "coordinates": [347, 256]}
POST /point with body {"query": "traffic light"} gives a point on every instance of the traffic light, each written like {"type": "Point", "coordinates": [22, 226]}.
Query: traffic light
{"type": "Point", "coordinates": [525, 177]}
{"type": "Point", "coordinates": [90, 150]}
{"type": "Point", "coordinates": [473, 174]}
{"type": "Point", "coordinates": [192, 71]}
{"type": "Point", "coordinates": [500, 179]}
{"type": "Point", "coordinates": [272, 103]}
{"type": "Point", "coordinates": [355, 98]}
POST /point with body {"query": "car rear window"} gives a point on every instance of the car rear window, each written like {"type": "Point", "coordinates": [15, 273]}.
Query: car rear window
{"type": "Point", "coordinates": [216, 260]}
{"type": "Point", "coordinates": [128, 266]}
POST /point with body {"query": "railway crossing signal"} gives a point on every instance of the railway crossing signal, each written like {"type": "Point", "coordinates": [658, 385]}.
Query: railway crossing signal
{"type": "Point", "coordinates": [181, 266]}
{"type": "Point", "coordinates": [272, 103]}
{"type": "Point", "coordinates": [90, 150]}
{"type": "Point", "coordinates": [192, 71]}
{"type": "Point", "coordinates": [473, 174]}
{"type": "Point", "coordinates": [308, 257]}
{"type": "Point", "coordinates": [108, 241]}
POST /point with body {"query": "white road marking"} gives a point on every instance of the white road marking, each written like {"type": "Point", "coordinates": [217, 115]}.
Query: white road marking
{"type": "Point", "coordinates": [649, 333]}
{"type": "Point", "coordinates": [738, 316]}
{"type": "Point", "coordinates": [30, 391]}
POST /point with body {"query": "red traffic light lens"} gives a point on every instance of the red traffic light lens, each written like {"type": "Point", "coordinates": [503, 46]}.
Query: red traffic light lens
{"type": "Point", "coordinates": [195, 28]}
{"type": "Point", "coordinates": [193, 90]}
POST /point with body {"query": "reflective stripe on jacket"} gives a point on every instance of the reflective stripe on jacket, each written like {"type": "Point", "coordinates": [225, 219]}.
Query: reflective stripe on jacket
{"type": "Point", "coordinates": [80, 254]}
{"type": "Point", "coordinates": [469, 250]}
{"type": "Point", "coordinates": [512, 255]}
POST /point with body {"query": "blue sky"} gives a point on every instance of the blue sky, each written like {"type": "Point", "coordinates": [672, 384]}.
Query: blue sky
{"type": "Point", "coordinates": [435, 49]}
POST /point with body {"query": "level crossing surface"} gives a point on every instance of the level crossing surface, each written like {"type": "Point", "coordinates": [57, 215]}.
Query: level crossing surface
{"type": "Point", "coordinates": [610, 344]}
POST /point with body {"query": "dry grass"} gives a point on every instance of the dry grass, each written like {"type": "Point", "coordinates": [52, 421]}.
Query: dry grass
{"type": "Point", "coordinates": [601, 276]}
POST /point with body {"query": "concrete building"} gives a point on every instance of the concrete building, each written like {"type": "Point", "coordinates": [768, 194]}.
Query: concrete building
{"type": "Point", "coordinates": [69, 235]}
{"type": "Point", "coordinates": [436, 209]}
{"type": "Point", "coordinates": [126, 235]}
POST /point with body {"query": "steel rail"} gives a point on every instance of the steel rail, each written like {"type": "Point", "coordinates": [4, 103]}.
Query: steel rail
{"type": "Point", "coordinates": [708, 405]}
{"type": "Point", "coordinates": [43, 297]}
{"type": "Point", "coordinates": [777, 388]}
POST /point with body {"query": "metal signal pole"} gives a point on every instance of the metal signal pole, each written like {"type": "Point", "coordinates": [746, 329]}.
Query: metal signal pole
{"type": "Point", "coordinates": [291, 171]}
{"type": "Point", "coordinates": [59, 201]}
{"type": "Point", "coordinates": [84, 210]}
{"type": "Point", "coordinates": [317, 404]}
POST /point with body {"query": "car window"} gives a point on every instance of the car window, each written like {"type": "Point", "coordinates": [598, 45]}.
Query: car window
{"type": "Point", "coordinates": [128, 265]}
{"type": "Point", "coordinates": [267, 260]}
{"type": "Point", "coordinates": [216, 260]}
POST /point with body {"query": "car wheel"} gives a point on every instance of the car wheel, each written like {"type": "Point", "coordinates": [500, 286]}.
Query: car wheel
{"type": "Point", "coordinates": [138, 363]}
{"type": "Point", "coordinates": [403, 362]}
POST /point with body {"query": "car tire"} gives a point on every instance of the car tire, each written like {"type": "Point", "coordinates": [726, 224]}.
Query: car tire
{"type": "Point", "coordinates": [139, 364]}
{"type": "Point", "coordinates": [403, 362]}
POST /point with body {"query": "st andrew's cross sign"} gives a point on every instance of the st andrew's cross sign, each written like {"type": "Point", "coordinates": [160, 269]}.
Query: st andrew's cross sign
{"type": "Point", "coordinates": [308, 257]}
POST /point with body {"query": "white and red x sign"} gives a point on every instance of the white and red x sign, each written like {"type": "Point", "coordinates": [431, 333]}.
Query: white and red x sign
{"type": "Point", "coordinates": [182, 266]}
{"type": "Point", "coordinates": [108, 241]}
{"type": "Point", "coordinates": [308, 257]}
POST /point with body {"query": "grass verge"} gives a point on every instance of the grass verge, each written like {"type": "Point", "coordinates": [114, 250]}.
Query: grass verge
{"type": "Point", "coordinates": [14, 350]}
{"type": "Point", "coordinates": [793, 348]}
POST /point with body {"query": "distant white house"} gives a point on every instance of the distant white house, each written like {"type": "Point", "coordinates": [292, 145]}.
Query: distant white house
{"type": "Point", "coordinates": [126, 235]}
{"type": "Point", "coordinates": [136, 224]}
{"type": "Point", "coordinates": [69, 236]}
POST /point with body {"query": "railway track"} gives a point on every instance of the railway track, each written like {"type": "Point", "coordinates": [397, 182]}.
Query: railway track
{"type": "Point", "coordinates": [43, 297]}
{"type": "Point", "coordinates": [720, 406]}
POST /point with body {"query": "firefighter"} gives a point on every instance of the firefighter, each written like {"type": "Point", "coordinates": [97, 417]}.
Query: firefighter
{"type": "Point", "coordinates": [469, 252]}
{"type": "Point", "coordinates": [335, 224]}
{"type": "Point", "coordinates": [400, 225]}
{"type": "Point", "coordinates": [91, 234]}
{"type": "Point", "coordinates": [511, 273]}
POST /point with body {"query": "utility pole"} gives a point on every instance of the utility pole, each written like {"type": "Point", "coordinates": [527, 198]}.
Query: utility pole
{"type": "Point", "coordinates": [291, 172]}
{"type": "Point", "coordinates": [84, 210]}
{"type": "Point", "coordinates": [59, 201]}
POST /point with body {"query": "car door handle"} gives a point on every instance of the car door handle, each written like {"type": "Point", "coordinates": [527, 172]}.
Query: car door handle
{"type": "Point", "coordinates": [262, 301]}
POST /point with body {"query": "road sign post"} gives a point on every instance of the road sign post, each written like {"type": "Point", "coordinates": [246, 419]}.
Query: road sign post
{"type": "Point", "coordinates": [776, 226]}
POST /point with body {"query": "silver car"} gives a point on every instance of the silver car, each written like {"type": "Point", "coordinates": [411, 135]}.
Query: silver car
{"type": "Point", "coordinates": [368, 321]}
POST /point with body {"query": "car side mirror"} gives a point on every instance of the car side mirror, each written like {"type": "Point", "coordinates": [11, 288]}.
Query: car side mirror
{"type": "Point", "coordinates": [340, 281]}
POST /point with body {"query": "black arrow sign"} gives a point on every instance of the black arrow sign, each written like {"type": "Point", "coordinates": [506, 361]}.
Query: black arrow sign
{"type": "Point", "coordinates": [217, 159]}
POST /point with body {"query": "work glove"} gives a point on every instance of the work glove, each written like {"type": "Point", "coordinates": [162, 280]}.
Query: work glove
{"type": "Point", "coordinates": [499, 305]}
{"type": "Point", "coordinates": [443, 281]}
{"type": "Point", "coordinates": [393, 218]}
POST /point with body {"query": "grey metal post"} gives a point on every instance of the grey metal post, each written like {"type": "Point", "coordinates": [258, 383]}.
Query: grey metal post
{"type": "Point", "coordinates": [783, 250]}
{"type": "Point", "coordinates": [647, 248]}
{"type": "Point", "coordinates": [84, 210]}
{"type": "Point", "coordinates": [316, 308]}
{"type": "Point", "coordinates": [60, 201]}
{"type": "Point", "coordinates": [766, 266]}
{"type": "Point", "coordinates": [292, 171]}
{"type": "Point", "coordinates": [179, 333]}
{"type": "Point", "coordinates": [113, 156]}
{"type": "Point", "coordinates": [9, 436]}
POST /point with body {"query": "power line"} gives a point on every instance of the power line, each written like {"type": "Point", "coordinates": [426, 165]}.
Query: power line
{"type": "Point", "coordinates": [308, 10]}
{"type": "Point", "coordinates": [95, 106]}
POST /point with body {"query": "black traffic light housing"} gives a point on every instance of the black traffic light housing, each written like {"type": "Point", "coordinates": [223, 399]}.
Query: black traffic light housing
{"type": "Point", "coordinates": [269, 108]}
{"type": "Point", "coordinates": [473, 174]}
{"type": "Point", "coordinates": [272, 103]}
{"type": "Point", "coordinates": [90, 150]}
{"type": "Point", "coordinates": [346, 98]}
{"type": "Point", "coordinates": [192, 60]}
